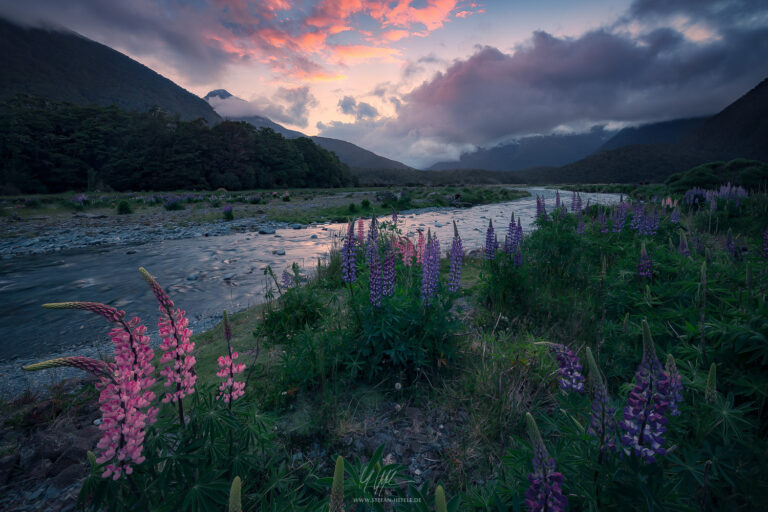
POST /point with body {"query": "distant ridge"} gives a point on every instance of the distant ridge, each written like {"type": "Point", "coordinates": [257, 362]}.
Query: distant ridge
{"type": "Point", "coordinates": [352, 155]}
{"type": "Point", "coordinates": [65, 66]}
{"type": "Point", "coordinates": [664, 132]}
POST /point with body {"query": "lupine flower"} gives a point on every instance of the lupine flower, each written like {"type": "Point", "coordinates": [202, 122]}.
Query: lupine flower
{"type": "Point", "coordinates": [644, 266]}
{"type": "Point", "coordinates": [420, 248]}
{"type": "Point", "coordinates": [571, 377]}
{"type": "Point", "coordinates": [96, 367]}
{"type": "Point", "coordinates": [407, 250]}
{"type": "Point", "coordinates": [394, 217]}
{"type": "Point", "coordinates": [674, 218]}
{"type": "Point", "coordinates": [683, 247]}
{"type": "Point", "coordinates": [457, 259]}
{"type": "Point", "coordinates": [348, 266]}
{"type": "Point", "coordinates": [730, 245]}
{"type": "Point", "coordinates": [541, 207]}
{"type": "Point", "coordinates": [675, 386]}
{"type": "Point", "coordinates": [602, 221]}
{"type": "Point", "coordinates": [509, 241]}
{"type": "Point", "coordinates": [557, 199]}
{"type": "Point", "coordinates": [765, 244]}
{"type": "Point", "coordinates": [176, 346]}
{"type": "Point", "coordinates": [545, 493]}
{"type": "Point", "coordinates": [229, 389]}
{"type": "Point", "coordinates": [430, 269]}
{"type": "Point", "coordinates": [388, 270]}
{"type": "Point", "coordinates": [374, 281]}
{"type": "Point", "coordinates": [650, 223]}
{"type": "Point", "coordinates": [286, 279]}
{"type": "Point", "coordinates": [360, 231]}
{"type": "Point", "coordinates": [125, 398]}
{"type": "Point", "coordinates": [620, 217]}
{"type": "Point", "coordinates": [517, 260]}
{"type": "Point", "coordinates": [573, 200]}
{"type": "Point", "coordinates": [644, 421]}
{"type": "Point", "coordinates": [580, 227]}
{"type": "Point", "coordinates": [578, 201]}
{"type": "Point", "coordinates": [372, 243]}
{"type": "Point", "coordinates": [490, 242]}
{"type": "Point", "coordinates": [602, 423]}
{"type": "Point", "coordinates": [518, 234]}
{"type": "Point", "coordinates": [637, 217]}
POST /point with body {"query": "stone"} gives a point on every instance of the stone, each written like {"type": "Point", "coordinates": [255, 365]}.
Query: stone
{"type": "Point", "coordinates": [297, 226]}
{"type": "Point", "coordinates": [279, 252]}
{"type": "Point", "coordinates": [52, 493]}
{"type": "Point", "coordinates": [313, 237]}
{"type": "Point", "coordinates": [69, 476]}
{"type": "Point", "coordinates": [228, 277]}
{"type": "Point", "coordinates": [131, 251]}
{"type": "Point", "coordinates": [193, 276]}
{"type": "Point", "coordinates": [266, 231]}
{"type": "Point", "coordinates": [7, 464]}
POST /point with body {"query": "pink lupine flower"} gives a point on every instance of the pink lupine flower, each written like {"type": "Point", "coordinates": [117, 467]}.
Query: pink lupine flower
{"type": "Point", "coordinates": [176, 346]}
{"type": "Point", "coordinates": [95, 367]}
{"type": "Point", "coordinates": [126, 395]}
{"type": "Point", "coordinates": [409, 252]}
{"type": "Point", "coordinates": [420, 248]}
{"type": "Point", "coordinates": [230, 389]}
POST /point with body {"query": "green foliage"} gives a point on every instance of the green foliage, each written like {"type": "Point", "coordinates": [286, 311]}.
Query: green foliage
{"type": "Point", "coordinates": [53, 147]}
{"type": "Point", "coordinates": [750, 174]}
{"type": "Point", "coordinates": [365, 204]}
{"type": "Point", "coordinates": [124, 208]}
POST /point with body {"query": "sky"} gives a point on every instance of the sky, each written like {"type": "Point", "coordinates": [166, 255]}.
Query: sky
{"type": "Point", "coordinates": [421, 81]}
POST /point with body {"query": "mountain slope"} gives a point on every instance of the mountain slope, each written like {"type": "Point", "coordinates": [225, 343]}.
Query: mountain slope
{"type": "Point", "coordinates": [665, 132]}
{"type": "Point", "coordinates": [64, 66]}
{"type": "Point", "coordinates": [740, 130]}
{"type": "Point", "coordinates": [355, 156]}
{"type": "Point", "coordinates": [527, 152]}
{"type": "Point", "coordinates": [352, 155]}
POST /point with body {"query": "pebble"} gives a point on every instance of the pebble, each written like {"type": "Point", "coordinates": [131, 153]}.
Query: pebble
{"type": "Point", "coordinates": [97, 421]}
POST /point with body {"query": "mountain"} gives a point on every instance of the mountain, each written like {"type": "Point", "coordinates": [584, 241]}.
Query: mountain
{"type": "Point", "coordinates": [740, 130]}
{"type": "Point", "coordinates": [355, 156]}
{"type": "Point", "coordinates": [352, 155]}
{"type": "Point", "coordinates": [65, 66]}
{"type": "Point", "coordinates": [665, 132]}
{"type": "Point", "coordinates": [527, 152]}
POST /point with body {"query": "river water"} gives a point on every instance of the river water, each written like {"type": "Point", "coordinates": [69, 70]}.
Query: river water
{"type": "Point", "coordinates": [202, 275]}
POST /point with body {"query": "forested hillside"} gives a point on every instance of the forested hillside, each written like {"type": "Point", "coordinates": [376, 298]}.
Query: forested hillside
{"type": "Point", "coordinates": [54, 147]}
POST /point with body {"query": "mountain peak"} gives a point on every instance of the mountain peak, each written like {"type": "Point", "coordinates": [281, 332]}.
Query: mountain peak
{"type": "Point", "coordinates": [218, 93]}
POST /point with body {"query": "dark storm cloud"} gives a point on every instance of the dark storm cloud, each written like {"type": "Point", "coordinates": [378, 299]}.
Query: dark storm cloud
{"type": "Point", "coordinates": [140, 27]}
{"type": "Point", "coordinates": [600, 76]}
{"type": "Point", "coordinates": [718, 13]}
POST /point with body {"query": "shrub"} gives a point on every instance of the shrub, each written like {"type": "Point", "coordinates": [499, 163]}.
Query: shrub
{"type": "Point", "coordinates": [227, 213]}
{"type": "Point", "coordinates": [124, 208]}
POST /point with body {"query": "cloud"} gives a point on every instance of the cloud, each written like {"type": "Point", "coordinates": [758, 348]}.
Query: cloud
{"type": "Point", "coordinates": [599, 76]}
{"type": "Point", "coordinates": [362, 111]}
{"type": "Point", "coordinates": [289, 106]}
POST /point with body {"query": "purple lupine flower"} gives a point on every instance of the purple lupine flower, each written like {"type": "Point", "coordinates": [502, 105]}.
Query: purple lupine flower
{"type": "Point", "coordinates": [571, 377]}
{"type": "Point", "coordinates": [388, 271]}
{"type": "Point", "coordinates": [557, 199]}
{"type": "Point", "coordinates": [545, 493]}
{"type": "Point", "coordinates": [580, 227]}
{"type": "Point", "coordinates": [682, 248]}
{"type": "Point", "coordinates": [644, 421]}
{"type": "Point", "coordinates": [675, 386]}
{"type": "Point", "coordinates": [517, 260]}
{"type": "Point", "coordinates": [765, 244]}
{"type": "Point", "coordinates": [490, 242]}
{"type": "Point", "coordinates": [543, 208]}
{"type": "Point", "coordinates": [620, 217]}
{"type": "Point", "coordinates": [509, 241]}
{"type": "Point", "coordinates": [578, 201]}
{"type": "Point", "coordinates": [644, 266]}
{"type": "Point", "coordinates": [518, 234]}
{"type": "Point", "coordinates": [602, 221]}
{"type": "Point", "coordinates": [372, 243]}
{"type": "Point", "coordinates": [573, 201]}
{"type": "Point", "coordinates": [674, 218]}
{"type": "Point", "coordinates": [637, 217]}
{"type": "Point", "coordinates": [348, 266]}
{"type": "Point", "coordinates": [430, 268]}
{"type": "Point", "coordinates": [286, 279]}
{"type": "Point", "coordinates": [602, 423]}
{"type": "Point", "coordinates": [374, 281]}
{"type": "Point", "coordinates": [457, 259]}
{"type": "Point", "coordinates": [730, 245]}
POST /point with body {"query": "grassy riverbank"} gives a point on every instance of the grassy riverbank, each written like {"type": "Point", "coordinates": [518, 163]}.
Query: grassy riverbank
{"type": "Point", "coordinates": [445, 387]}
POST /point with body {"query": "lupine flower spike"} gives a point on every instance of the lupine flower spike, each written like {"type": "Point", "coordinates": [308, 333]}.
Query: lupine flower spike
{"type": "Point", "coordinates": [602, 423]}
{"type": "Point", "coordinates": [372, 243]}
{"type": "Point", "coordinates": [457, 259]}
{"type": "Point", "coordinates": [286, 279]}
{"type": "Point", "coordinates": [337, 488]}
{"type": "Point", "coordinates": [430, 269]}
{"type": "Point", "coordinates": [230, 389]}
{"type": "Point", "coordinates": [374, 273]}
{"type": "Point", "coordinates": [645, 419]}
{"type": "Point", "coordinates": [235, 490]}
{"type": "Point", "coordinates": [96, 367]}
{"type": "Point", "coordinates": [570, 369]}
{"type": "Point", "coordinates": [360, 231]}
{"type": "Point", "coordinates": [348, 266]}
{"type": "Point", "coordinates": [125, 399]}
{"type": "Point", "coordinates": [176, 346]}
{"type": "Point", "coordinates": [675, 386]}
{"type": "Point", "coordinates": [490, 242]}
{"type": "Point", "coordinates": [644, 265]}
{"type": "Point", "coordinates": [545, 493]}
{"type": "Point", "coordinates": [420, 248]}
{"type": "Point", "coordinates": [683, 247]}
{"type": "Point", "coordinates": [509, 241]}
{"type": "Point", "coordinates": [388, 270]}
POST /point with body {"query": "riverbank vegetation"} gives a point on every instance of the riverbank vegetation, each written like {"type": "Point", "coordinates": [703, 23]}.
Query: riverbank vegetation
{"type": "Point", "coordinates": [611, 359]}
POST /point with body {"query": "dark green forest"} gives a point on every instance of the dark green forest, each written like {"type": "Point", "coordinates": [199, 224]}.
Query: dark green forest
{"type": "Point", "coordinates": [48, 147]}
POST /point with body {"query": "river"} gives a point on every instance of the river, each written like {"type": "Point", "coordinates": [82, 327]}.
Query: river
{"type": "Point", "coordinates": [202, 275]}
